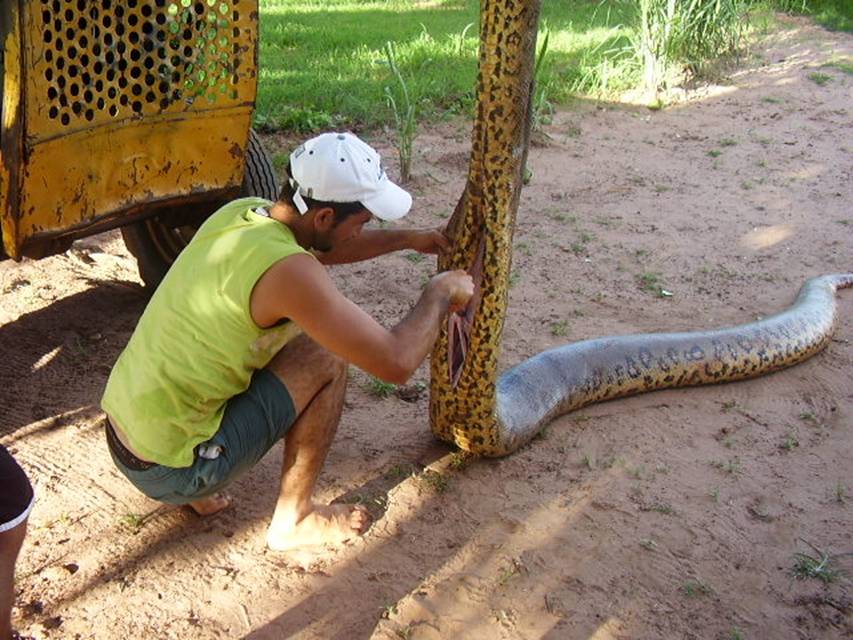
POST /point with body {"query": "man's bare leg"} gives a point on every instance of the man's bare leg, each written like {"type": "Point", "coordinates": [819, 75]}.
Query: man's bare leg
{"type": "Point", "coordinates": [316, 380]}
{"type": "Point", "coordinates": [10, 545]}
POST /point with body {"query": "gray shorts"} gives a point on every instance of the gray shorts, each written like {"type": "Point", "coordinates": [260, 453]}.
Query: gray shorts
{"type": "Point", "coordinates": [253, 422]}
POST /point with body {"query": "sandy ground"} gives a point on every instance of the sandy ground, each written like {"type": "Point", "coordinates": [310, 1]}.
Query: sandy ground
{"type": "Point", "coordinates": [671, 515]}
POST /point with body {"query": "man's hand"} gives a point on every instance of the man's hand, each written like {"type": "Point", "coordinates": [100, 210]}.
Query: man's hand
{"type": "Point", "coordinates": [430, 241]}
{"type": "Point", "coordinates": [457, 285]}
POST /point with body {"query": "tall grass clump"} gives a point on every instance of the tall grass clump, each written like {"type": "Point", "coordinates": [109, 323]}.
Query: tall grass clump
{"type": "Point", "coordinates": [683, 35]}
{"type": "Point", "coordinates": [404, 110]}
{"type": "Point", "coordinates": [543, 110]}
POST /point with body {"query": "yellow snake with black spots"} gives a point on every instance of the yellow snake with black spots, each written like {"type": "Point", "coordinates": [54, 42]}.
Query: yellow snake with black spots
{"type": "Point", "coordinates": [471, 406]}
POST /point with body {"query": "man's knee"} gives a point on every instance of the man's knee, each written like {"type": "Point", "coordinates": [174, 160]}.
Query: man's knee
{"type": "Point", "coordinates": [336, 366]}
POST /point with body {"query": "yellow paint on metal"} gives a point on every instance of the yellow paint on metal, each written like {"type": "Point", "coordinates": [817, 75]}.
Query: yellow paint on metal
{"type": "Point", "coordinates": [128, 102]}
{"type": "Point", "coordinates": [10, 114]}
{"type": "Point", "coordinates": [82, 177]}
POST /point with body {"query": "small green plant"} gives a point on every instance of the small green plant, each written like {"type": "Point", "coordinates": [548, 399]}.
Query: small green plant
{"type": "Point", "coordinates": [731, 466]}
{"type": "Point", "coordinates": [736, 634]}
{"type": "Point", "coordinates": [714, 494]}
{"type": "Point", "coordinates": [588, 461]}
{"type": "Point", "coordinates": [560, 328]}
{"type": "Point", "coordinates": [434, 481]}
{"type": "Point", "coordinates": [380, 388]}
{"type": "Point", "coordinates": [577, 248]}
{"type": "Point", "coordinates": [638, 473]}
{"type": "Point", "coordinates": [662, 507]}
{"type": "Point", "coordinates": [820, 79]}
{"type": "Point", "coordinates": [573, 131]}
{"type": "Point", "coordinates": [405, 115]}
{"type": "Point", "coordinates": [398, 471]}
{"type": "Point", "coordinates": [649, 281]}
{"type": "Point", "coordinates": [460, 460]}
{"type": "Point", "coordinates": [715, 153]}
{"type": "Point", "coordinates": [415, 257]}
{"type": "Point", "coordinates": [696, 588]}
{"type": "Point", "coordinates": [840, 492]}
{"type": "Point", "coordinates": [514, 278]}
{"type": "Point", "coordinates": [132, 521]}
{"type": "Point", "coordinates": [510, 571]}
{"type": "Point", "coordinates": [818, 566]}
{"type": "Point", "coordinates": [728, 142]}
{"type": "Point", "coordinates": [844, 65]}
{"type": "Point", "coordinates": [808, 416]}
{"type": "Point", "coordinates": [790, 442]}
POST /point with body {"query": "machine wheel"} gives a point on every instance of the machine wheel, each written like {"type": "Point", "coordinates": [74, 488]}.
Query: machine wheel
{"type": "Point", "coordinates": [155, 243]}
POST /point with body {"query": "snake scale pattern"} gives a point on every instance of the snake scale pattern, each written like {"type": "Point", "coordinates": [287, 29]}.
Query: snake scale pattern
{"type": "Point", "coordinates": [470, 405]}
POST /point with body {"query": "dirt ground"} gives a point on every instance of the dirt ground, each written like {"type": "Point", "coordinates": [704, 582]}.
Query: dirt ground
{"type": "Point", "coordinates": [671, 515]}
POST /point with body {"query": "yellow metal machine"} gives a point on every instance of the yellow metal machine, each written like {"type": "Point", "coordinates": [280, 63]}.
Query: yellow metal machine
{"type": "Point", "coordinates": [132, 113]}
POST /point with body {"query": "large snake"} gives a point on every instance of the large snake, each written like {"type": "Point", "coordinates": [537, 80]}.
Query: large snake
{"type": "Point", "coordinates": [471, 406]}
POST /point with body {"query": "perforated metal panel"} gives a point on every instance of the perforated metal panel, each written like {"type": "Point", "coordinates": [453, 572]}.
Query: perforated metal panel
{"type": "Point", "coordinates": [100, 60]}
{"type": "Point", "coordinates": [115, 107]}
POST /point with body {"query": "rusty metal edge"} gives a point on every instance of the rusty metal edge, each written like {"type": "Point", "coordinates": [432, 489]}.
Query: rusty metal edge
{"type": "Point", "coordinates": [12, 138]}
{"type": "Point", "coordinates": [41, 245]}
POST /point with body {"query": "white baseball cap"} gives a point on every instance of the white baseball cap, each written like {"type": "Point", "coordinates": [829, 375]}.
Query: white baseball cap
{"type": "Point", "coordinates": [339, 167]}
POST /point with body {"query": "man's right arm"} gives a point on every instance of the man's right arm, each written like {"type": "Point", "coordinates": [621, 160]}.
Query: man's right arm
{"type": "Point", "coordinates": [299, 288]}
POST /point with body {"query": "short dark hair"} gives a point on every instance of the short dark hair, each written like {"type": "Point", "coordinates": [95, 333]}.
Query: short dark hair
{"type": "Point", "coordinates": [342, 209]}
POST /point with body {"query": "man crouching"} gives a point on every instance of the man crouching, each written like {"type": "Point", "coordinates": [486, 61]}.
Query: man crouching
{"type": "Point", "coordinates": [247, 341]}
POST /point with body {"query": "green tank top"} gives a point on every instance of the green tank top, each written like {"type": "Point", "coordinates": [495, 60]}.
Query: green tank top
{"type": "Point", "coordinates": [196, 345]}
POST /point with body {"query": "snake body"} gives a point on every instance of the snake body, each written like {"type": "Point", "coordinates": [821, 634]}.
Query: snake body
{"type": "Point", "coordinates": [479, 411]}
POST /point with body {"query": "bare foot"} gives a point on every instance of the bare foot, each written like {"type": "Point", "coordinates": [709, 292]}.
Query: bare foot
{"type": "Point", "coordinates": [332, 524]}
{"type": "Point", "coordinates": [211, 504]}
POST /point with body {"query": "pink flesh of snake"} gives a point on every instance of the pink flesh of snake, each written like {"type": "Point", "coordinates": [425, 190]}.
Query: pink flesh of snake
{"type": "Point", "coordinates": [459, 322]}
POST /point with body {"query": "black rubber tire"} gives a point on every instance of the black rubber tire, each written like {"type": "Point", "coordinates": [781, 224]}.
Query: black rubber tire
{"type": "Point", "coordinates": [155, 244]}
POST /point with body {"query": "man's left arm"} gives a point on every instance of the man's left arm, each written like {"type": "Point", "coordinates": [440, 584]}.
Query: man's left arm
{"type": "Point", "coordinates": [377, 242]}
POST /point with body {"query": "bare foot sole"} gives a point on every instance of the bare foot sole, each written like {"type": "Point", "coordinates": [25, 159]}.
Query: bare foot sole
{"type": "Point", "coordinates": [326, 525]}
{"type": "Point", "coordinates": [211, 504]}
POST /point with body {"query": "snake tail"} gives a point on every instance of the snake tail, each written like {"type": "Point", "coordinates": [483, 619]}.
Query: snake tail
{"type": "Point", "coordinates": [576, 375]}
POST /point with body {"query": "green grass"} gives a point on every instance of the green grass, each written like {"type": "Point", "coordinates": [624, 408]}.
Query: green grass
{"type": "Point", "coordinates": [820, 79]}
{"type": "Point", "coordinates": [836, 15]}
{"type": "Point", "coordinates": [845, 65]}
{"type": "Point", "coordinates": [696, 588]}
{"type": "Point", "coordinates": [323, 62]}
{"type": "Point", "coordinates": [380, 388]}
{"type": "Point", "coordinates": [560, 328]}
